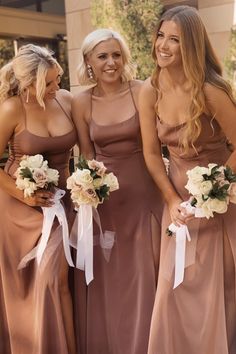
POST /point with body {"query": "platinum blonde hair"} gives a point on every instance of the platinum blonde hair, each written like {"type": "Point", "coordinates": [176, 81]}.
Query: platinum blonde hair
{"type": "Point", "coordinates": [90, 42]}
{"type": "Point", "coordinates": [29, 66]}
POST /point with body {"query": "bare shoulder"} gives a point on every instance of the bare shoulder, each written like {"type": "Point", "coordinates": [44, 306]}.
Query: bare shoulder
{"type": "Point", "coordinates": [64, 95]}
{"type": "Point", "coordinates": [81, 105]}
{"type": "Point", "coordinates": [218, 101]}
{"type": "Point", "coordinates": [148, 93]}
{"type": "Point", "coordinates": [135, 84]}
{"type": "Point", "coordinates": [11, 111]}
{"type": "Point", "coordinates": [82, 99]}
{"type": "Point", "coordinates": [214, 95]}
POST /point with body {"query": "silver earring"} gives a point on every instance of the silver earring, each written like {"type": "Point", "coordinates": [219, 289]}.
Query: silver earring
{"type": "Point", "coordinates": [90, 72]}
{"type": "Point", "coordinates": [27, 95]}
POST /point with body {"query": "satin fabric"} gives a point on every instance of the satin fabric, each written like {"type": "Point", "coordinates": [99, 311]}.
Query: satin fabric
{"type": "Point", "coordinates": [35, 303]}
{"type": "Point", "coordinates": [199, 316]}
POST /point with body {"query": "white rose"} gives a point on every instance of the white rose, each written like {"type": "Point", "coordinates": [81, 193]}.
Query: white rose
{"type": "Point", "coordinates": [27, 186]}
{"type": "Point", "coordinates": [211, 166]}
{"type": "Point", "coordinates": [205, 187]}
{"type": "Point", "coordinates": [52, 176]}
{"type": "Point", "coordinates": [35, 161]}
{"type": "Point", "coordinates": [70, 182]}
{"type": "Point", "coordinates": [111, 181]}
{"type": "Point", "coordinates": [98, 182]}
{"type": "Point", "coordinates": [193, 187]}
{"type": "Point", "coordinates": [214, 205]}
{"type": "Point", "coordinates": [195, 175]}
{"type": "Point", "coordinates": [84, 178]}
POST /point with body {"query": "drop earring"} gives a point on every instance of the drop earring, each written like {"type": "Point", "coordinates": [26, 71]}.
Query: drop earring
{"type": "Point", "coordinates": [90, 72]}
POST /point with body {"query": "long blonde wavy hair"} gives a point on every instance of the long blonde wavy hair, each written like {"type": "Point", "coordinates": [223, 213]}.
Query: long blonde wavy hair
{"type": "Point", "coordinates": [90, 42]}
{"type": "Point", "coordinates": [200, 65]}
{"type": "Point", "coordinates": [29, 65]}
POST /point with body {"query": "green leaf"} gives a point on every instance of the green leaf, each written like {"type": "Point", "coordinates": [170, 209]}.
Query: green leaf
{"type": "Point", "coordinates": [26, 173]}
{"type": "Point", "coordinates": [103, 192]}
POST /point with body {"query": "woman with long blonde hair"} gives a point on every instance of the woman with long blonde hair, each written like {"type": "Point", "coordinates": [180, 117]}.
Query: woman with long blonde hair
{"type": "Point", "coordinates": [35, 118]}
{"type": "Point", "coordinates": [188, 106]}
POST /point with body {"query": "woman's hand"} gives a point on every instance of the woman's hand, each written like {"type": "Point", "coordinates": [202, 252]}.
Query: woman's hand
{"type": "Point", "coordinates": [41, 198]}
{"type": "Point", "coordinates": [178, 213]}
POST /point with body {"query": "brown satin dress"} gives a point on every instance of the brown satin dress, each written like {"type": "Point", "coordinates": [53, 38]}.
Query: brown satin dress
{"type": "Point", "coordinates": [120, 299]}
{"type": "Point", "coordinates": [35, 305]}
{"type": "Point", "coordinates": [199, 316]}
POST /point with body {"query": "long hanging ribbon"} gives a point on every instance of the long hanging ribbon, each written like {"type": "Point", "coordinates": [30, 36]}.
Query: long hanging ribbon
{"type": "Point", "coordinates": [181, 234]}
{"type": "Point", "coordinates": [84, 245]}
{"type": "Point", "coordinates": [49, 214]}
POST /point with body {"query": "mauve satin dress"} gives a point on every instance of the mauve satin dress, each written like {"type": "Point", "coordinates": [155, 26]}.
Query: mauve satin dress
{"type": "Point", "coordinates": [116, 311]}
{"type": "Point", "coordinates": [199, 316]}
{"type": "Point", "coordinates": [35, 305]}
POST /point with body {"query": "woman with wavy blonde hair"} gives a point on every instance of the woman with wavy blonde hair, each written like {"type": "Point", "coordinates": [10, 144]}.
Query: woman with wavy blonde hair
{"type": "Point", "coordinates": [120, 299]}
{"type": "Point", "coordinates": [35, 118]}
{"type": "Point", "coordinates": [188, 106]}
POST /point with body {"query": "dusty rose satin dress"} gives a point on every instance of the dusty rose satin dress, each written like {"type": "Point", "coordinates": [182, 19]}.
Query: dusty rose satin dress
{"type": "Point", "coordinates": [199, 316]}
{"type": "Point", "coordinates": [35, 306]}
{"type": "Point", "coordinates": [121, 296]}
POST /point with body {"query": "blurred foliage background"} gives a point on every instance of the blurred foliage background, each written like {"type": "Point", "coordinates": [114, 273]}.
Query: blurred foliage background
{"type": "Point", "coordinates": [135, 20]}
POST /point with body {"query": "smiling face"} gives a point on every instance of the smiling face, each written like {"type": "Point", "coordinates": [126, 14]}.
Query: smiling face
{"type": "Point", "coordinates": [106, 61]}
{"type": "Point", "coordinates": [167, 46]}
{"type": "Point", "coordinates": [52, 80]}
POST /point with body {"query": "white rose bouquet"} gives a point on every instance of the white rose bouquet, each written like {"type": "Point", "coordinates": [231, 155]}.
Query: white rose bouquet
{"type": "Point", "coordinates": [212, 188]}
{"type": "Point", "coordinates": [90, 185]}
{"type": "Point", "coordinates": [33, 173]}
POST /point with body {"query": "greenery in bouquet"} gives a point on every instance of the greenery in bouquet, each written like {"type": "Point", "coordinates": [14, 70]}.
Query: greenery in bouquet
{"type": "Point", "coordinates": [33, 173]}
{"type": "Point", "coordinates": [212, 188]}
{"type": "Point", "coordinates": [90, 183]}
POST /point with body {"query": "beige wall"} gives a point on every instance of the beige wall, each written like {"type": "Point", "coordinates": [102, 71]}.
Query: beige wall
{"type": "Point", "coordinates": [218, 16]}
{"type": "Point", "coordinates": [16, 22]}
{"type": "Point", "coordinates": [78, 22]}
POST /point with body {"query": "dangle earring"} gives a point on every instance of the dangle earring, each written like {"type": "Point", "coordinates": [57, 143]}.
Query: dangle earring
{"type": "Point", "coordinates": [90, 72]}
{"type": "Point", "coordinates": [27, 95]}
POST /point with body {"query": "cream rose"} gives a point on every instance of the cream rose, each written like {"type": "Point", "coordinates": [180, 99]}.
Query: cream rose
{"type": "Point", "coordinates": [214, 205]}
{"type": "Point", "coordinates": [205, 187]}
{"type": "Point", "coordinates": [84, 178]}
{"type": "Point", "coordinates": [53, 176]}
{"type": "Point", "coordinates": [111, 181]}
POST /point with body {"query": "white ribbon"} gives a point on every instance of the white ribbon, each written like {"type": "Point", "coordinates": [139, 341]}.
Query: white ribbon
{"type": "Point", "coordinates": [84, 260]}
{"type": "Point", "coordinates": [58, 211]}
{"type": "Point", "coordinates": [49, 214]}
{"type": "Point", "coordinates": [85, 240]}
{"type": "Point", "coordinates": [181, 234]}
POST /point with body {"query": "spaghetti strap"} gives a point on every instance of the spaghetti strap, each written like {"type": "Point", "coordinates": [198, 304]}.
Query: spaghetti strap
{"type": "Point", "coordinates": [91, 104]}
{"type": "Point", "coordinates": [62, 108]}
{"type": "Point", "coordinates": [24, 112]}
{"type": "Point", "coordinates": [131, 92]}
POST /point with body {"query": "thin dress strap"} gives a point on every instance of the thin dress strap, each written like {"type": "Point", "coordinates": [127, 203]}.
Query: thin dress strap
{"type": "Point", "coordinates": [62, 108]}
{"type": "Point", "coordinates": [24, 112]}
{"type": "Point", "coordinates": [91, 104]}
{"type": "Point", "coordinates": [132, 96]}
